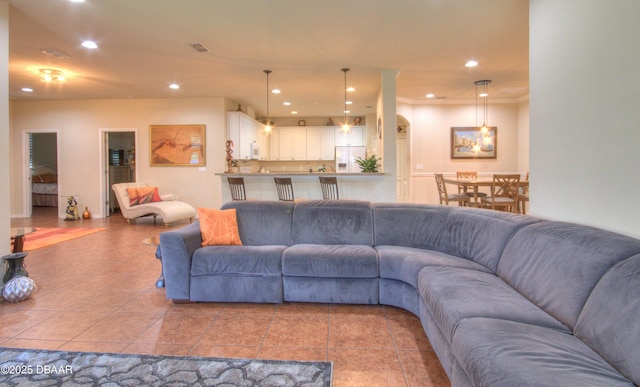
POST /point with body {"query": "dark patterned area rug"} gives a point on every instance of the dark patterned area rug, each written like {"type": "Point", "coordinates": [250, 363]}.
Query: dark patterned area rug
{"type": "Point", "coordinates": [60, 368]}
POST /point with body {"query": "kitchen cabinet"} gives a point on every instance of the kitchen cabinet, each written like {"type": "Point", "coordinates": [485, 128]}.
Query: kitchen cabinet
{"type": "Point", "coordinates": [248, 136]}
{"type": "Point", "coordinates": [293, 143]}
{"type": "Point", "coordinates": [320, 143]}
{"type": "Point", "coordinates": [355, 137]}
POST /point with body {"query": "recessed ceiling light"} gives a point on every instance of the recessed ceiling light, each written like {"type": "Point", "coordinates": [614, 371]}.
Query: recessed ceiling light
{"type": "Point", "coordinates": [430, 95]}
{"type": "Point", "coordinates": [348, 102]}
{"type": "Point", "coordinates": [27, 90]}
{"type": "Point", "coordinates": [77, 1]}
{"type": "Point", "coordinates": [347, 111]}
{"type": "Point", "coordinates": [174, 86]}
{"type": "Point", "coordinates": [483, 95]}
{"type": "Point", "coordinates": [286, 103]}
{"type": "Point", "coordinates": [471, 63]}
{"type": "Point", "coordinates": [89, 44]}
{"type": "Point", "coordinates": [351, 89]}
{"type": "Point", "coordinates": [275, 91]}
{"type": "Point", "coordinates": [294, 112]}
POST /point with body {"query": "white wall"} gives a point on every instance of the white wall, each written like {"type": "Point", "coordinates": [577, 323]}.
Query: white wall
{"type": "Point", "coordinates": [431, 142]}
{"type": "Point", "coordinates": [79, 123]}
{"type": "Point", "coordinates": [5, 222]}
{"type": "Point", "coordinates": [584, 94]}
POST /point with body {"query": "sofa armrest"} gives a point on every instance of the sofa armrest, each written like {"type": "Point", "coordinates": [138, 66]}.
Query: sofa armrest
{"type": "Point", "coordinates": [177, 248]}
{"type": "Point", "coordinates": [168, 197]}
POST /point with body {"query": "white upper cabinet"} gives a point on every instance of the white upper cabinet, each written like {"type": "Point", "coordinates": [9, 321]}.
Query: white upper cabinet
{"type": "Point", "coordinates": [355, 137]}
{"type": "Point", "coordinates": [320, 143]}
{"type": "Point", "coordinates": [293, 143]}
{"type": "Point", "coordinates": [248, 136]}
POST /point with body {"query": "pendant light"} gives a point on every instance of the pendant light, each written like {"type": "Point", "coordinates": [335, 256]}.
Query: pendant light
{"type": "Point", "coordinates": [482, 132]}
{"type": "Point", "coordinates": [267, 128]}
{"type": "Point", "coordinates": [345, 125]}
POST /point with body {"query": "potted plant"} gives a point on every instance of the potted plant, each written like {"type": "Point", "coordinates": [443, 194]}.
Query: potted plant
{"type": "Point", "coordinates": [369, 164]}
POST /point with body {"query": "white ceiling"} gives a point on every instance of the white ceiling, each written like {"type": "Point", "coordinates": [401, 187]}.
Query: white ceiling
{"type": "Point", "coordinates": [143, 47]}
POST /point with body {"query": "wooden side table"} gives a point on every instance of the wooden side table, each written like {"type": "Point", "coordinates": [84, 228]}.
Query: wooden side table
{"type": "Point", "coordinates": [155, 241]}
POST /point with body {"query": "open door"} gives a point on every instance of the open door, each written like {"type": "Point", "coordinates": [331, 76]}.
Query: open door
{"type": "Point", "coordinates": [42, 180]}
{"type": "Point", "coordinates": [118, 152]}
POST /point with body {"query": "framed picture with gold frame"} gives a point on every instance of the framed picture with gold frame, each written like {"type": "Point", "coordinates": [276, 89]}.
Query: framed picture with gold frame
{"type": "Point", "coordinates": [177, 145]}
{"type": "Point", "coordinates": [470, 142]}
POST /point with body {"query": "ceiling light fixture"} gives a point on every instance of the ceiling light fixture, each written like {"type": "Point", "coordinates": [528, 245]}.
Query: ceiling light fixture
{"type": "Point", "coordinates": [471, 63]}
{"type": "Point", "coordinates": [482, 132]}
{"type": "Point", "coordinates": [174, 86]}
{"type": "Point", "coordinates": [267, 128]}
{"type": "Point", "coordinates": [345, 126]}
{"type": "Point", "coordinates": [89, 44]}
{"type": "Point", "coordinates": [50, 75]}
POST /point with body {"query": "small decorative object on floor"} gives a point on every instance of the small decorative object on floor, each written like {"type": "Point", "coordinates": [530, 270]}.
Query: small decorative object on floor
{"type": "Point", "coordinates": [86, 214]}
{"type": "Point", "coordinates": [18, 289]}
{"type": "Point", "coordinates": [72, 209]}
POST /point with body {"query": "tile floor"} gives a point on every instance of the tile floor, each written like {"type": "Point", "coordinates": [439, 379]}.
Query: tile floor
{"type": "Point", "coordinates": [97, 293]}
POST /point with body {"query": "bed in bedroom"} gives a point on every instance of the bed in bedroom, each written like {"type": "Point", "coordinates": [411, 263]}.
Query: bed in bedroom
{"type": "Point", "coordinates": [44, 187]}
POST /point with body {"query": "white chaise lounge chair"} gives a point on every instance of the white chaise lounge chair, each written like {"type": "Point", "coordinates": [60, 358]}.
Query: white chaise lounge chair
{"type": "Point", "coordinates": [169, 208]}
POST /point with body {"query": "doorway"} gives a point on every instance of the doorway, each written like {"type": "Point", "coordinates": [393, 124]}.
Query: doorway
{"type": "Point", "coordinates": [118, 164]}
{"type": "Point", "coordinates": [403, 160]}
{"type": "Point", "coordinates": [42, 183]}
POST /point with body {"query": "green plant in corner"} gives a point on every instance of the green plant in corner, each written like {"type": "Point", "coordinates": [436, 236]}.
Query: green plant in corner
{"type": "Point", "coordinates": [369, 164]}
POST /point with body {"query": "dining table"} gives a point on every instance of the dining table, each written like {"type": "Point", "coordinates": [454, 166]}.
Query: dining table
{"type": "Point", "coordinates": [474, 184]}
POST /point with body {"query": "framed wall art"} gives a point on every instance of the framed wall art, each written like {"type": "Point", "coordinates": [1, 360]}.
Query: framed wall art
{"type": "Point", "coordinates": [470, 142]}
{"type": "Point", "coordinates": [177, 145]}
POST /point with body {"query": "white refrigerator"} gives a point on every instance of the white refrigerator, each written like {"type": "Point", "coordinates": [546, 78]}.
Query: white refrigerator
{"type": "Point", "coordinates": [346, 157]}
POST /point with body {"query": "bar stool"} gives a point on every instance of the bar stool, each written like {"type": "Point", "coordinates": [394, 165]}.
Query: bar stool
{"type": "Point", "coordinates": [329, 187]}
{"type": "Point", "coordinates": [236, 185]}
{"type": "Point", "coordinates": [285, 188]}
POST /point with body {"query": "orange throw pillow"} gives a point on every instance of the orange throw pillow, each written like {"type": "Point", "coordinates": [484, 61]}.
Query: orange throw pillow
{"type": "Point", "coordinates": [141, 195]}
{"type": "Point", "coordinates": [218, 227]}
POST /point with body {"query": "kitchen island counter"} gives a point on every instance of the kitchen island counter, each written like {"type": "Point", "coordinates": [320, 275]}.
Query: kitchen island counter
{"type": "Point", "coordinates": [306, 185]}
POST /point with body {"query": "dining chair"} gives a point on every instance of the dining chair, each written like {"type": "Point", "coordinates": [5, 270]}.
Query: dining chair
{"type": "Point", "coordinates": [445, 198]}
{"type": "Point", "coordinates": [285, 188]}
{"type": "Point", "coordinates": [504, 193]}
{"type": "Point", "coordinates": [236, 185]}
{"type": "Point", "coordinates": [523, 196]}
{"type": "Point", "coordinates": [329, 187]}
{"type": "Point", "coordinates": [462, 189]}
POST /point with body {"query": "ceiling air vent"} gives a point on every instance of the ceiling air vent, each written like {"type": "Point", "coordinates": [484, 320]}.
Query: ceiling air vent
{"type": "Point", "coordinates": [55, 54]}
{"type": "Point", "coordinates": [198, 47]}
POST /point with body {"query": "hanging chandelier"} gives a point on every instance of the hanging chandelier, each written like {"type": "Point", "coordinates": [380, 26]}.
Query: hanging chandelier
{"type": "Point", "coordinates": [482, 133]}
{"type": "Point", "coordinates": [345, 125]}
{"type": "Point", "coordinates": [267, 127]}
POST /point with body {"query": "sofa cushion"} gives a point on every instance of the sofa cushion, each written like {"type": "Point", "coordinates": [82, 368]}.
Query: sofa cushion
{"type": "Point", "coordinates": [474, 234]}
{"type": "Point", "coordinates": [404, 263]}
{"type": "Point", "coordinates": [263, 222]}
{"type": "Point", "coordinates": [242, 260]}
{"type": "Point", "coordinates": [218, 227]}
{"type": "Point", "coordinates": [556, 265]}
{"type": "Point", "coordinates": [330, 261]}
{"type": "Point", "coordinates": [496, 352]}
{"type": "Point", "coordinates": [333, 222]}
{"type": "Point", "coordinates": [454, 294]}
{"type": "Point", "coordinates": [610, 320]}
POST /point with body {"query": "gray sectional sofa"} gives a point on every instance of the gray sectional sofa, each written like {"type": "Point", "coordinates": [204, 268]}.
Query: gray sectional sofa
{"type": "Point", "coordinates": [504, 299]}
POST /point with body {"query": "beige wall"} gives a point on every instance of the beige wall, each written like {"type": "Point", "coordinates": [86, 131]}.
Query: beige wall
{"type": "Point", "coordinates": [430, 141]}
{"type": "Point", "coordinates": [5, 224]}
{"type": "Point", "coordinates": [79, 124]}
